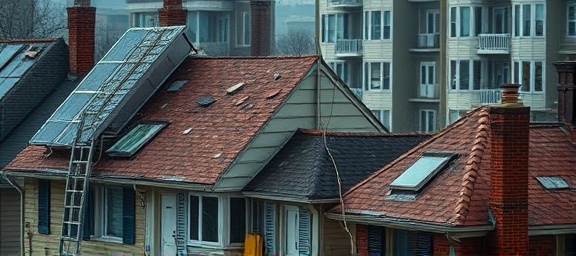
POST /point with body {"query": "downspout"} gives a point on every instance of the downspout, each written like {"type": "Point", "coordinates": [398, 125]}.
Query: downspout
{"type": "Point", "coordinates": [21, 191]}
{"type": "Point", "coordinates": [318, 66]}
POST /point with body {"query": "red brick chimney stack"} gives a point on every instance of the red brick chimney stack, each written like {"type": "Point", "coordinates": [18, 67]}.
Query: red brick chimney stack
{"type": "Point", "coordinates": [509, 140]}
{"type": "Point", "coordinates": [81, 24]}
{"type": "Point", "coordinates": [261, 22]}
{"type": "Point", "coordinates": [172, 14]}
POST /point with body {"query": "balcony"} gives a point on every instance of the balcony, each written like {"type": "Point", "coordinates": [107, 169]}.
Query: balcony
{"type": "Point", "coordinates": [488, 96]}
{"type": "Point", "coordinates": [345, 3]}
{"type": "Point", "coordinates": [427, 43]}
{"type": "Point", "coordinates": [493, 43]}
{"type": "Point", "coordinates": [348, 48]}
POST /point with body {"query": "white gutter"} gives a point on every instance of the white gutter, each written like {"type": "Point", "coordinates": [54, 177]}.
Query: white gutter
{"type": "Point", "coordinates": [289, 198]}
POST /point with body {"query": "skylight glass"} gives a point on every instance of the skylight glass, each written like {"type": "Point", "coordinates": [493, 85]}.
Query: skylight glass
{"type": "Point", "coordinates": [130, 143]}
{"type": "Point", "coordinates": [553, 182]}
{"type": "Point", "coordinates": [417, 175]}
{"type": "Point", "coordinates": [177, 85]}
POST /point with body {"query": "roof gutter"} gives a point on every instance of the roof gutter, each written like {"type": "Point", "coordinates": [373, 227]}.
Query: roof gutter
{"type": "Point", "coordinates": [551, 230]}
{"type": "Point", "coordinates": [20, 190]}
{"type": "Point", "coordinates": [398, 223]}
{"type": "Point", "coordinates": [289, 198]}
{"type": "Point", "coordinates": [61, 175]}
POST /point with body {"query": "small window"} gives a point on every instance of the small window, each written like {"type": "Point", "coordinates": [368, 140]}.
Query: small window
{"type": "Point", "coordinates": [131, 142]}
{"type": "Point", "coordinates": [417, 175]}
{"type": "Point", "coordinates": [237, 220]}
{"type": "Point", "coordinates": [553, 182]}
{"type": "Point", "coordinates": [177, 85]}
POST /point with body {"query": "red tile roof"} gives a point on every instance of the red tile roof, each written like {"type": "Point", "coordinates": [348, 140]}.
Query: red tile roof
{"type": "Point", "coordinates": [218, 132]}
{"type": "Point", "coordinates": [459, 194]}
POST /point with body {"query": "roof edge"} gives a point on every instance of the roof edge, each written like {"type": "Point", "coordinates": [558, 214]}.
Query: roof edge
{"type": "Point", "coordinates": [288, 198]}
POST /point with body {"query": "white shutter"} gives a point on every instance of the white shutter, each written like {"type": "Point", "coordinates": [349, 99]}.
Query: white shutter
{"type": "Point", "coordinates": [181, 224]}
{"type": "Point", "coordinates": [270, 228]}
{"type": "Point", "coordinates": [304, 229]}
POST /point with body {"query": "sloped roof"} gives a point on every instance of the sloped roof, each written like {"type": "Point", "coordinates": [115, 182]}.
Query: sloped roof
{"type": "Point", "coordinates": [217, 133]}
{"type": "Point", "coordinates": [458, 196]}
{"type": "Point", "coordinates": [303, 168]}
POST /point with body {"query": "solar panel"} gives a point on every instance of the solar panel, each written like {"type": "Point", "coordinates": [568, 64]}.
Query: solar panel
{"type": "Point", "coordinates": [125, 78]}
{"type": "Point", "coordinates": [7, 52]}
{"type": "Point", "coordinates": [420, 172]}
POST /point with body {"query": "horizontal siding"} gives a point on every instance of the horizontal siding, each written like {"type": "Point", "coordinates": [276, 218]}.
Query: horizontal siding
{"type": "Point", "coordinates": [377, 99]}
{"type": "Point", "coordinates": [535, 101]}
{"type": "Point", "coordinates": [463, 48]}
{"type": "Point", "coordinates": [461, 100]}
{"type": "Point", "coordinates": [9, 222]}
{"type": "Point", "coordinates": [336, 240]}
{"type": "Point", "coordinates": [528, 48]}
{"type": "Point", "coordinates": [49, 244]}
{"type": "Point", "coordinates": [377, 4]}
{"type": "Point", "coordinates": [377, 50]}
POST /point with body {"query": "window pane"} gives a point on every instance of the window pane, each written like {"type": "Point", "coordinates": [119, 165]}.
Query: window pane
{"type": "Point", "coordinates": [539, 20]}
{"type": "Point", "coordinates": [477, 75]}
{"type": "Point", "coordinates": [367, 76]}
{"type": "Point", "coordinates": [517, 20]}
{"type": "Point", "coordinates": [376, 22]}
{"type": "Point", "coordinates": [464, 75]}
{"type": "Point", "coordinates": [114, 213]}
{"type": "Point", "coordinates": [525, 76]}
{"type": "Point", "coordinates": [453, 22]}
{"type": "Point", "coordinates": [387, 27]}
{"type": "Point", "coordinates": [464, 21]}
{"type": "Point", "coordinates": [194, 209]}
{"type": "Point", "coordinates": [572, 20]}
{"type": "Point", "coordinates": [526, 19]}
{"type": "Point", "coordinates": [237, 220]}
{"type": "Point", "coordinates": [375, 81]}
{"type": "Point", "coordinates": [538, 76]}
{"type": "Point", "coordinates": [386, 75]}
{"type": "Point", "coordinates": [423, 121]}
{"type": "Point", "coordinates": [431, 121]}
{"type": "Point", "coordinates": [210, 219]}
{"type": "Point", "coordinates": [386, 118]}
{"type": "Point", "coordinates": [453, 74]}
{"type": "Point", "coordinates": [516, 74]}
{"type": "Point", "coordinates": [331, 28]}
{"type": "Point", "coordinates": [477, 20]}
{"type": "Point", "coordinates": [366, 25]}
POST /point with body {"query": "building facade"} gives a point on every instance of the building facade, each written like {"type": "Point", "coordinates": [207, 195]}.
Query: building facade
{"type": "Point", "coordinates": [419, 65]}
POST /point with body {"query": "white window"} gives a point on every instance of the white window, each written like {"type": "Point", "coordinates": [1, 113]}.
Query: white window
{"type": "Point", "coordinates": [342, 69]}
{"type": "Point", "coordinates": [428, 86]}
{"type": "Point", "coordinates": [433, 22]}
{"type": "Point", "coordinates": [427, 120]}
{"type": "Point", "coordinates": [377, 76]}
{"type": "Point", "coordinates": [529, 20]}
{"type": "Point", "coordinates": [334, 26]}
{"type": "Point", "coordinates": [500, 18]}
{"type": "Point", "coordinates": [571, 22]}
{"type": "Point", "coordinates": [210, 217]}
{"type": "Point", "coordinates": [529, 74]}
{"type": "Point", "coordinates": [208, 27]}
{"type": "Point", "coordinates": [144, 19]}
{"type": "Point", "coordinates": [383, 116]}
{"type": "Point", "coordinates": [243, 29]}
{"type": "Point", "coordinates": [109, 213]}
{"type": "Point", "coordinates": [466, 21]}
{"type": "Point", "coordinates": [466, 75]}
{"type": "Point", "coordinates": [377, 25]}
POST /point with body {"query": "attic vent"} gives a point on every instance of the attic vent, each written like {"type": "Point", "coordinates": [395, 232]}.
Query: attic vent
{"type": "Point", "coordinates": [235, 88]}
{"type": "Point", "coordinates": [552, 182]}
{"type": "Point", "coordinates": [177, 85]}
{"type": "Point", "coordinates": [205, 101]}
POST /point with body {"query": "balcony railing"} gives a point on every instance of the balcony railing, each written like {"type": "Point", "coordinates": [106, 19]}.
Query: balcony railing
{"type": "Point", "coordinates": [348, 47]}
{"type": "Point", "coordinates": [489, 96]}
{"type": "Point", "coordinates": [428, 41]}
{"type": "Point", "coordinates": [494, 43]}
{"type": "Point", "coordinates": [345, 3]}
{"type": "Point", "coordinates": [429, 91]}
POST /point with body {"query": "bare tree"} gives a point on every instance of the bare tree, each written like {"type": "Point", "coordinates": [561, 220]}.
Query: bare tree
{"type": "Point", "coordinates": [106, 37]}
{"type": "Point", "coordinates": [31, 19]}
{"type": "Point", "coordinates": [296, 42]}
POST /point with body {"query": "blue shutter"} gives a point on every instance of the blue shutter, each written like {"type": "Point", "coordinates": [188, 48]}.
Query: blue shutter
{"type": "Point", "coordinates": [129, 216]}
{"type": "Point", "coordinates": [88, 225]}
{"type": "Point", "coordinates": [270, 228]}
{"type": "Point", "coordinates": [376, 240]}
{"type": "Point", "coordinates": [304, 229]}
{"type": "Point", "coordinates": [181, 224]}
{"type": "Point", "coordinates": [44, 206]}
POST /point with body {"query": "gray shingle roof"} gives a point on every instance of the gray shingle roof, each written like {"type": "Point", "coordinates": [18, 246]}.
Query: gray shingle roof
{"type": "Point", "coordinates": [303, 168]}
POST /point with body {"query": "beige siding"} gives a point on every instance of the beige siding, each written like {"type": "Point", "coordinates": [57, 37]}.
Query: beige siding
{"type": "Point", "coordinates": [377, 99]}
{"type": "Point", "coordinates": [462, 48]}
{"type": "Point", "coordinates": [336, 240]}
{"type": "Point", "coordinates": [535, 101]}
{"type": "Point", "coordinates": [461, 100]}
{"type": "Point", "coordinates": [377, 50]}
{"type": "Point", "coordinates": [49, 244]}
{"type": "Point", "coordinates": [528, 48]}
{"type": "Point", "coordinates": [9, 221]}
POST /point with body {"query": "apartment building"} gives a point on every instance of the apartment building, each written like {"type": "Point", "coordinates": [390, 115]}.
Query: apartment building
{"type": "Point", "coordinates": [421, 64]}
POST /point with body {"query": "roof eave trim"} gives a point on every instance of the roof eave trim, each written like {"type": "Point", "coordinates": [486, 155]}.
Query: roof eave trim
{"type": "Point", "coordinates": [288, 198]}
{"type": "Point", "coordinates": [551, 229]}
{"type": "Point", "coordinates": [398, 223]}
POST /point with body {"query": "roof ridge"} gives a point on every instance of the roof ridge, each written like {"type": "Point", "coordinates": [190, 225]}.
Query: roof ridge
{"type": "Point", "coordinates": [424, 144]}
{"type": "Point", "coordinates": [317, 132]}
{"type": "Point", "coordinates": [472, 167]}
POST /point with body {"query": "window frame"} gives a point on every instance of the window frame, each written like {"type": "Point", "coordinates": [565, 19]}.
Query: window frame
{"type": "Point", "coordinates": [380, 115]}
{"type": "Point", "coordinates": [244, 29]}
{"type": "Point", "coordinates": [427, 113]}
{"type": "Point", "coordinates": [383, 23]}
{"type": "Point", "coordinates": [455, 73]}
{"type": "Point", "coordinates": [137, 19]}
{"type": "Point", "coordinates": [571, 21]}
{"type": "Point", "coordinates": [456, 20]}
{"type": "Point", "coordinates": [341, 69]}
{"type": "Point", "coordinates": [518, 74]}
{"type": "Point", "coordinates": [331, 31]}
{"type": "Point", "coordinates": [523, 23]}
{"type": "Point", "coordinates": [385, 76]}
{"type": "Point", "coordinates": [101, 215]}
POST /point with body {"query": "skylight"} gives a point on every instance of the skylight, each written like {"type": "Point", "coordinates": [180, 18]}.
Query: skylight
{"type": "Point", "coordinates": [417, 175]}
{"type": "Point", "coordinates": [132, 141]}
{"type": "Point", "coordinates": [177, 85]}
{"type": "Point", "coordinates": [553, 182]}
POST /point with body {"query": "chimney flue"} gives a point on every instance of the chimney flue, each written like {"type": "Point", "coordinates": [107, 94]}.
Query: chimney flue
{"type": "Point", "coordinates": [81, 26]}
{"type": "Point", "coordinates": [509, 93]}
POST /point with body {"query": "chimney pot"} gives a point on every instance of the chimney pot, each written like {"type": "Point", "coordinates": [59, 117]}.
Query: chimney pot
{"type": "Point", "coordinates": [509, 93]}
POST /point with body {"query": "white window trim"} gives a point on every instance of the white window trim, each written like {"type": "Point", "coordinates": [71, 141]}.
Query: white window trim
{"type": "Point", "coordinates": [568, 21]}
{"type": "Point", "coordinates": [325, 27]}
{"type": "Point", "coordinates": [334, 65]}
{"type": "Point", "coordinates": [455, 78]}
{"type": "Point", "coordinates": [245, 19]}
{"type": "Point", "coordinates": [532, 75]}
{"type": "Point", "coordinates": [228, 213]}
{"type": "Point", "coordinates": [368, 24]}
{"type": "Point", "coordinates": [427, 113]}
{"type": "Point", "coordinates": [380, 116]}
{"type": "Point", "coordinates": [138, 15]}
{"type": "Point", "coordinates": [100, 210]}
{"type": "Point", "coordinates": [436, 14]}
{"type": "Point", "coordinates": [458, 26]}
{"type": "Point", "coordinates": [532, 20]}
{"type": "Point", "coordinates": [368, 87]}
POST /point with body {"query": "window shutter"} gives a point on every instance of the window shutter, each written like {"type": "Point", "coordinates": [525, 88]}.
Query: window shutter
{"type": "Point", "coordinates": [423, 244]}
{"type": "Point", "coordinates": [181, 224]}
{"type": "Point", "coordinates": [270, 228]}
{"type": "Point", "coordinates": [304, 229]}
{"type": "Point", "coordinates": [88, 216]}
{"type": "Point", "coordinates": [129, 216]}
{"type": "Point", "coordinates": [376, 240]}
{"type": "Point", "coordinates": [44, 206]}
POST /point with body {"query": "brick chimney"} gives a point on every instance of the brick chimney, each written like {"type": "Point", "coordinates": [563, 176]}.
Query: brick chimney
{"type": "Point", "coordinates": [81, 24]}
{"type": "Point", "coordinates": [172, 14]}
{"type": "Point", "coordinates": [261, 22]}
{"type": "Point", "coordinates": [509, 140]}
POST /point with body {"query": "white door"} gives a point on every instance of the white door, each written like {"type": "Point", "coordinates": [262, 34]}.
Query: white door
{"type": "Point", "coordinates": [292, 235]}
{"type": "Point", "coordinates": [427, 79]}
{"type": "Point", "coordinates": [169, 225]}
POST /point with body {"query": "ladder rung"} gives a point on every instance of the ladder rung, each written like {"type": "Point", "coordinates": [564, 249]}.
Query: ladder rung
{"type": "Point", "coordinates": [72, 206]}
{"type": "Point", "coordinates": [69, 239]}
{"type": "Point", "coordinates": [74, 191]}
{"type": "Point", "coordinates": [70, 222]}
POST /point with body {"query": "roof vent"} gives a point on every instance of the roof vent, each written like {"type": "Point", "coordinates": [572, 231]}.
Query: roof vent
{"type": "Point", "coordinates": [277, 76]}
{"type": "Point", "coordinates": [235, 88]}
{"type": "Point", "coordinates": [177, 85]}
{"type": "Point", "coordinates": [205, 101]}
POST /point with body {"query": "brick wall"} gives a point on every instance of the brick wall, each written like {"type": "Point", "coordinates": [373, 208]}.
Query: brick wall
{"type": "Point", "coordinates": [172, 14]}
{"type": "Point", "coordinates": [261, 19]}
{"type": "Point", "coordinates": [463, 247]}
{"type": "Point", "coordinates": [362, 240]}
{"type": "Point", "coordinates": [542, 245]}
{"type": "Point", "coordinates": [81, 25]}
{"type": "Point", "coordinates": [509, 128]}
